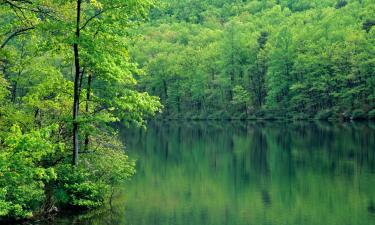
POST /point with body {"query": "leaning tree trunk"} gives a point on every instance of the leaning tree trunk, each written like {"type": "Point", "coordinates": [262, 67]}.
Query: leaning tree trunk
{"type": "Point", "coordinates": [76, 86]}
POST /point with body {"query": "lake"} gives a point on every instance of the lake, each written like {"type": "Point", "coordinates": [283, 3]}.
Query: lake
{"type": "Point", "coordinates": [244, 173]}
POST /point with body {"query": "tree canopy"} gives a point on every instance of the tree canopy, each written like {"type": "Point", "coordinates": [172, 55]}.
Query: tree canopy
{"type": "Point", "coordinates": [260, 59]}
{"type": "Point", "coordinates": [65, 65]}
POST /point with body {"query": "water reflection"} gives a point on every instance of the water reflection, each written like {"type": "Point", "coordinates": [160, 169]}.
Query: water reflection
{"type": "Point", "coordinates": [237, 173]}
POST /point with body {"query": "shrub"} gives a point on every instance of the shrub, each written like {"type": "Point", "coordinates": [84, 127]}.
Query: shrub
{"type": "Point", "coordinates": [89, 184]}
{"type": "Point", "coordinates": [260, 113]}
{"type": "Point", "coordinates": [324, 114]}
{"type": "Point", "coordinates": [28, 168]}
{"type": "Point", "coordinates": [301, 116]}
{"type": "Point", "coordinates": [224, 116]}
{"type": "Point", "coordinates": [346, 115]}
{"type": "Point", "coordinates": [77, 187]}
{"type": "Point", "coordinates": [358, 114]}
{"type": "Point", "coordinates": [371, 114]}
{"type": "Point", "coordinates": [241, 116]}
{"type": "Point", "coordinates": [22, 178]}
{"type": "Point", "coordinates": [251, 117]}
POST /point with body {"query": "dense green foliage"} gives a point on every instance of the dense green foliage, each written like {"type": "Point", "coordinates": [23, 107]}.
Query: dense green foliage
{"type": "Point", "coordinates": [38, 92]}
{"type": "Point", "coordinates": [260, 58]}
{"type": "Point", "coordinates": [72, 71]}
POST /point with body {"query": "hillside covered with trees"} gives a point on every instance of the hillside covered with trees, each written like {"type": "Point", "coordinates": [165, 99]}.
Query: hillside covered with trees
{"type": "Point", "coordinates": [221, 59]}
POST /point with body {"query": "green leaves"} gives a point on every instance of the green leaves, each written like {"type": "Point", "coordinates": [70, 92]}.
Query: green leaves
{"type": "Point", "coordinates": [4, 92]}
{"type": "Point", "coordinates": [22, 174]}
{"type": "Point", "coordinates": [36, 95]}
{"type": "Point", "coordinates": [293, 57]}
{"type": "Point", "coordinates": [89, 184]}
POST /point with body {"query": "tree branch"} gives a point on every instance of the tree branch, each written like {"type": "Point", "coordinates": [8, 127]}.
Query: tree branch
{"type": "Point", "coordinates": [91, 18]}
{"type": "Point", "coordinates": [15, 34]}
{"type": "Point", "coordinates": [13, 5]}
{"type": "Point", "coordinates": [98, 13]}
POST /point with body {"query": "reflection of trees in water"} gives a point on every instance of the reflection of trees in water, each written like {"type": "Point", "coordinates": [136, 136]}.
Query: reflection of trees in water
{"type": "Point", "coordinates": [247, 173]}
{"type": "Point", "coordinates": [247, 145]}
{"type": "Point", "coordinates": [277, 164]}
{"type": "Point", "coordinates": [258, 151]}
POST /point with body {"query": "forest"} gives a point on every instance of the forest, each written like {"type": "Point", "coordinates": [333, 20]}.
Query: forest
{"type": "Point", "coordinates": [294, 59]}
{"type": "Point", "coordinates": [74, 72]}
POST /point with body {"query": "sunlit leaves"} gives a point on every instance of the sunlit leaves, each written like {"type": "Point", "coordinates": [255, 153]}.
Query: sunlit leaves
{"type": "Point", "coordinates": [36, 88]}
{"type": "Point", "coordinates": [312, 56]}
{"type": "Point", "coordinates": [22, 175]}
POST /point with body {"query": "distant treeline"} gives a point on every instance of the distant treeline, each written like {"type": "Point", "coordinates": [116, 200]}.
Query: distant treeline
{"type": "Point", "coordinates": [221, 59]}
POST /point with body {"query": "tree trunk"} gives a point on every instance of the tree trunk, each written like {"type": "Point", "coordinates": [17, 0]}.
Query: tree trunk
{"type": "Point", "coordinates": [14, 92]}
{"type": "Point", "coordinates": [76, 86]}
{"type": "Point", "coordinates": [88, 94]}
{"type": "Point", "coordinates": [165, 90]}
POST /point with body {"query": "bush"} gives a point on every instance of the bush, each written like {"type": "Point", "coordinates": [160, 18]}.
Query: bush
{"type": "Point", "coordinates": [324, 114]}
{"type": "Point", "coordinates": [260, 113]}
{"type": "Point", "coordinates": [89, 184]}
{"type": "Point", "coordinates": [346, 115]}
{"type": "Point", "coordinates": [31, 181]}
{"type": "Point", "coordinates": [301, 116]}
{"type": "Point", "coordinates": [77, 187]}
{"type": "Point", "coordinates": [224, 116]}
{"type": "Point", "coordinates": [22, 178]}
{"type": "Point", "coordinates": [371, 114]}
{"type": "Point", "coordinates": [270, 116]}
{"type": "Point", "coordinates": [358, 114]}
{"type": "Point", "coordinates": [216, 115]}
{"type": "Point", "coordinates": [239, 116]}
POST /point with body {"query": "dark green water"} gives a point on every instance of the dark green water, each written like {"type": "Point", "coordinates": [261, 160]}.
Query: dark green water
{"type": "Point", "coordinates": [216, 173]}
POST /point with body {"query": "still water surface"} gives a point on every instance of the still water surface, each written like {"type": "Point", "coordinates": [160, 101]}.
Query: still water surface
{"type": "Point", "coordinates": [243, 173]}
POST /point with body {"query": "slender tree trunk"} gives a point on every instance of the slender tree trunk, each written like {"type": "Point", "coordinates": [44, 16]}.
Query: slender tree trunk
{"type": "Point", "coordinates": [232, 71]}
{"type": "Point", "coordinates": [76, 86]}
{"type": "Point", "coordinates": [14, 92]}
{"type": "Point", "coordinates": [165, 90]}
{"type": "Point", "coordinates": [88, 95]}
{"type": "Point", "coordinates": [178, 104]}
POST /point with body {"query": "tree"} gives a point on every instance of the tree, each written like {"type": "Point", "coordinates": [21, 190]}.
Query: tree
{"type": "Point", "coordinates": [93, 22]}
{"type": "Point", "coordinates": [38, 89]}
{"type": "Point", "coordinates": [279, 76]}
